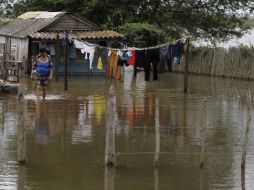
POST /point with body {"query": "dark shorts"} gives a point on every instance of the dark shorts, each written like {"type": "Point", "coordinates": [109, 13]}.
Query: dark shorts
{"type": "Point", "coordinates": [42, 80]}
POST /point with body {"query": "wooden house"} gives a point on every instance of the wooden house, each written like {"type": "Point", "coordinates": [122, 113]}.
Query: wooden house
{"type": "Point", "coordinates": [24, 36]}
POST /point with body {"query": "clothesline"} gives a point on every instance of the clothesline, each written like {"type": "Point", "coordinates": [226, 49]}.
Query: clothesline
{"type": "Point", "coordinates": [130, 48]}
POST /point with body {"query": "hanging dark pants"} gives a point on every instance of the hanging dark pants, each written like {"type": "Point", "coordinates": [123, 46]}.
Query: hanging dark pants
{"type": "Point", "coordinates": [152, 57]}
{"type": "Point", "coordinates": [139, 61]}
{"type": "Point", "coordinates": [103, 53]}
{"type": "Point", "coordinates": [164, 56]}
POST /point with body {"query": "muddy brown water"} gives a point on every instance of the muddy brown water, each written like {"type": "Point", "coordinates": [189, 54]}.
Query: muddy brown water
{"type": "Point", "coordinates": [66, 135]}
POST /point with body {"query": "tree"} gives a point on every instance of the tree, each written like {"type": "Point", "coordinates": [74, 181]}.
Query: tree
{"type": "Point", "coordinates": [200, 18]}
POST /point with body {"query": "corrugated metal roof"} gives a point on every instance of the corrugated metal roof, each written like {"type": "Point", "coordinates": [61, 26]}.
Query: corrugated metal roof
{"type": "Point", "coordinates": [77, 35]}
{"type": "Point", "coordinates": [21, 28]}
{"type": "Point", "coordinates": [31, 15]}
{"type": "Point", "coordinates": [49, 14]}
{"type": "Point", "coordinates": [34, 24]}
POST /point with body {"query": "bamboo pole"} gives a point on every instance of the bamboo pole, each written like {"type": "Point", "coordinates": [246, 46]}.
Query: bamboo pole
{"type": "Point", "coordinates": [203, 136]}
{"type": "Point", "coordinates": [66, 63]}
{"type": "Point", "coordinates": [157, 133]}
{"type": "Point", "coordinates": [57, 56]}
{"type": "Point", "coordinates": [109, 178]}
{"type": "Point", "coordinates": [186, 63]}
{"type": "Point", "coordinates": [21, 134]}
{"type": "Point", "coordinates": [246, 137]}
{"type": "Point", "coordinates": [110, 129]}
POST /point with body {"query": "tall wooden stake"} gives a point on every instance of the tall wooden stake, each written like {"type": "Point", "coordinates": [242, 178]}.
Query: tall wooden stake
{"type": "Point", "coordinates": [21, 178]}
{"type": "Point", "coordinates": [245, 144]}
{"type": "Point", "coordinates": [156, 178]}
{"type": "Point", "coordinates": [21, 134]}
{"type": "Point", "coordinates": [66, 63]}
{"type": "Point", "coordinates": [57, 55]}
{"type": "Point", "coordinates": [186, 60]}
{"type": "Point", "coordinates": [3, 111]}
{"type": "Point", "coordinates": [110, 129]}
{"type": "Point", "coordinates": [157, 133]}
{"type": "Point", "coordinates": [203, 136]}
{"type": "Point", "coordinates": [109, 178]}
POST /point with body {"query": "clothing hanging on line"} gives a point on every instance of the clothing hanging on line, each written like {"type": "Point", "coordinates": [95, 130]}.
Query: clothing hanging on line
{"type": "Point", "coordinates": [113, 69]}
{"type": "Point", "coordinates": [139, 61]}
{"type": "Point", "coordinates": [100, 53]}
{"type": "Point", "coordinates": [88, 50]}
{"type": "Point", "coordinates": [152, 57]}
{"type": "Point", "coordinates": [177, 51]}
{"type": "Point", "coordinates": [131, 61]}
{"type": "Point", "coordinates": [164, 57]}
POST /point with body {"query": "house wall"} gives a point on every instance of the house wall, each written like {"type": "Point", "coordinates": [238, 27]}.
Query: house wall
{"type": "Point", "coordinates": [18, 49]}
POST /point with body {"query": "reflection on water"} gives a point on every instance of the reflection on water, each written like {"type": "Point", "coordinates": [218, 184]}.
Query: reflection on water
{"type": "Point", "coordinates": [40, 124]}
{"type": "Point", "coordinates": [70, 130]}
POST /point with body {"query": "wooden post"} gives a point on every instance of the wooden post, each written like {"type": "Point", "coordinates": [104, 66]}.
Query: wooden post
{"type": "Point", "coordinates": [57, 56]}
{"type": "Point", "coordinates": [245, 144]}
{"type": "Point", "coordinates": [110, 129]}
{"type": "Point", "coordinates": [157, 133]}
{"type": "Point", "coordinates": [21, 134]}
{"type": "Point", "coordinates": [243, 179]}
{"type": "Point", "coordinates": [203, 136]}
{"type": "Point", "coordinates": [186, 63]}
{"type": "Point", "coordinates": [109, 178]}
{"type": "Point", "coordinates": [66, 63]}
{"type": "Point", "coordinates": [156, 178]}
{"type": "Point", "coordinates": [21, 178]}
{"type": "Point", "coordinates": [3, 111]}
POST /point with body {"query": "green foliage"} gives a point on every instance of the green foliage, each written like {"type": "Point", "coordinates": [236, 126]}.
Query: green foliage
{"type": "Point", "coordinates": [4, 21]}
{"type": "Point", "coordinates": [142, 34]}
{"type": "Point", "coordinates": [212, 19]}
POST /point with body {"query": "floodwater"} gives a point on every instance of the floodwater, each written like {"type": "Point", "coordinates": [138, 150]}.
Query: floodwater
{"type": "Point", "coordinates": [66, 135]}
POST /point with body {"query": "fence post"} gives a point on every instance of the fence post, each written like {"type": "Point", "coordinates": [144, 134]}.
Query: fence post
{"type": "Point", "coordinates": [157, 133]}
{"type": "Point", "coordinates": [110, 129]}
{"type": "Point", "coordinates": [57, 56]}
{"type": "Point", "coordinates": [203, 136]}
{"type": "Point", "coordinates": [156, 178]}
{"type": "Point", "coordinates": [66, 52]}
{"type": "Point", "coordinates": [109, 178]}
{"type": "Point", "coordinates": [186, 63]}
{"type": "Point", "coordinates": [21, 134]}
{"type": "Point", "coordinates": [246, 137]}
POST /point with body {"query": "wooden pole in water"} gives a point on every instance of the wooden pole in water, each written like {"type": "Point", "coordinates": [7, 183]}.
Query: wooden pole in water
{"type": "Point", "coordinates": [186, 63]}
{"type": "Point", "coordinates": [110, 129]}
{"type": "Point", "coordinates": [57, 55]}
{"type": "Point", "coordinates": [247, 129]}
{"type": "Point", "coordinates": [3, 111]}
{"type": "Point", "coordinates": [203, 136]}
{"type": "Point", "coordinates": [21, 134]}
{"type": "Point", "coordinates": [157, 133]}
{"type": "Point", "coordinates": [109, 178]}
{"type": "Point", "coordinates": [156, 178]}
{"type": "Point", "coordinates": [66, 62]}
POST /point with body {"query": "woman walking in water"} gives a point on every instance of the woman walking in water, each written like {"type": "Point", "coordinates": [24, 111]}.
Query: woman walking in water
{"type": "Point", "coordinates": [42, 67]}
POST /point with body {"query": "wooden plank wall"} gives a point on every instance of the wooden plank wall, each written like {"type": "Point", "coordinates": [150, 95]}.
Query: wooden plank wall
{"type": "Point", "coordinates": [234, 62]}
{"type": "Point", "coordinates": [68, 23]}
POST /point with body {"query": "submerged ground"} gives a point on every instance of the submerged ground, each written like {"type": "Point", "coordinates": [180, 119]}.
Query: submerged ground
{"type": "Point", "coordinates": [66, 135]}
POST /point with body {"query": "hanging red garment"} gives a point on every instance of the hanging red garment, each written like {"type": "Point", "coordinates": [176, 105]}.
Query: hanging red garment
{"type": "Point", "coordinates": [131, 61]}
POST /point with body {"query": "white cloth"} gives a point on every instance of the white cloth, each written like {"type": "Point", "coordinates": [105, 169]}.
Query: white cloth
{"type": "Point", "coordinates": [78, 44]}
{"type": "Point", "coordinates": [87, 48]}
